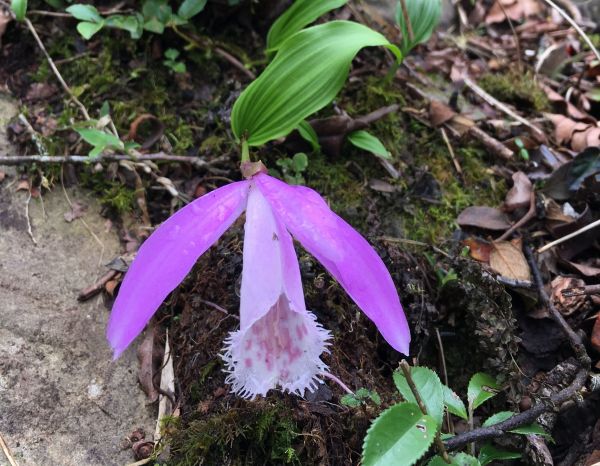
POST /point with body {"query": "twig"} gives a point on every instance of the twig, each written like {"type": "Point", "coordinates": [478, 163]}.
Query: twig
{"type": "Point", "coordinates": [451, 150]}
{"type": "Point", "coordinates": [444, 374]}
{"type": "Point", "coordinates": [517, 41]}
{"type": "Point", "coordinates": [160, 156]}
{"type": "Point", "coordinates": [409, 29]}
{"type": "Point", "coordinates": [29, 231]}
{"type": "Point", "coordinates": [499, 105]}
{"type": "Point", "coordinates": [581, 291]}
{"type": "Point", "coordinates": [569, 236]}
{"type": "Point", "coordinates": [413, 388]}
{"type": "Point", "coordinates": [572, 22]}
{"type": "Point", "coordinates": [97, 287]}
{"type": "Point", "coordinates": [491, 143]}
{"type": "Point", "coordinates": [6, 452]}
{"type": "Point", "coordinates": [523, 220]}
{"type": "Point", "coordinates": [518, 420]}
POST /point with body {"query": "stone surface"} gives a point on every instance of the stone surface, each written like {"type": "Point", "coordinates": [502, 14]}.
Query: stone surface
{"type": "Point", "coordinates": [62, 399]}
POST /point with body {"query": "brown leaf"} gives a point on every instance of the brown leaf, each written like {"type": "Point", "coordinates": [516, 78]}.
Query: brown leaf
{"type": "Point", "coordinates": [147, 130]}
{"type": "Point", "coordinates": [516, 10]}
{"type": "Point", "coordinates": [584, 269]}
{"type": "Point", "coordinates": [40, 91]}
{"type": "Point", "coordinates": [520, 194]}
{"type": "Point", "coordinates": [487, 218]}
{"type": "Point", "coordinates": [440, 113]}
{"type": "Point", "coordinates": [77, 211]}
{"type": "Point", "coordinates": [2, 176]}
{"type": "Point", "coordinates": [479, 249]}
{"type": "Point", "coordinates": [509, 261]}
{"type": "Point", "coordinates": [146, 357]}
{"type": "Point", "coordinates": [23, 185]}
{"type": "Point", "coordinates": [568, 305]}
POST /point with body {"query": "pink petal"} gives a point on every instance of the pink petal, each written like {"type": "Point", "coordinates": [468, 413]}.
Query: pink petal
{"type": "Point", "coordinates": [344, 252]}
{"type": "Point", "coordinates": [167, 256]}
{"type": "Point", "coordinates": [279, 343]}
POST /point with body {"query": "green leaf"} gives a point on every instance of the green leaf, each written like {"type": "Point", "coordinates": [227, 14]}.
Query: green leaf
{"type": "Point", "coordinates": [462, 459]}
{"type": "Point", "coordinates": [308, 134]}
{"type": "Point", "coordinates": [306, 75]}
{"type": "Point", "coordinates": [105, 109]}
{"type": "Point", "coordinates": [497, 418]}
{"type": "Point", "coordinates": [19, 8]}
{"type": "Point", "coordinates": [83, 12]}
{"type": "Point", "coordinates": [424, 16]}
{"type": "Point", "coordinates": [439, 461]}
{"type": "Point", "coordinates": [489, 453]}
{"type": "Point", "coordinates": [350, 400]}
{"type": "Point", "coordinates": [87, 30]}
{"type": "Point", "coordinates": [482, 387]}
{"type": "Point", "coordinates": [429, 387]}
{"type": "Point", "coordinates": [401, 431]}
{"type": "Point", "coordinates": [171, 54]}
{"type": "Point", "coordinates": [131, 24]}
{"type": "Point", "coordinates": [190, 8]}
{"type": "Point", "coordinates": [454, 404]}
{"type": "Point", "coordinates": [366, 141]}
{"type": "Point", "coordinates": [178, 67]}
{"type": "Point", "coordinates": [296, 17]}
{"type": "Point", "coordinates": [300, 161]}
{"type": "Point", "coordinates": [97, 138]}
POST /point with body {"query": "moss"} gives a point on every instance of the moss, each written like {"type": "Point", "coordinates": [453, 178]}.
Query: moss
{"type": "Point", "coordinates": [516, 87]}
{"type": "Point", "coordinates": [263, 434]}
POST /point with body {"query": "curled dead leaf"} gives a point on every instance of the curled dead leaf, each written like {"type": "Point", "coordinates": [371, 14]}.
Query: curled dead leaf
{"type": "Point", "coordinates": [509, 261]}
{"type": "Point", "coordinates": [487, 218]}
{"type": "Point", "coordinates": [568, 305]}
{"type": "Point", "coordinates": [520, 194]}
{"type": "Point", "coordinates": [479, 249]}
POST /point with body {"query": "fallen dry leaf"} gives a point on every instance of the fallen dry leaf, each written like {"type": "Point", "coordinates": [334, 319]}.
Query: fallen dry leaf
{"type": "Point", "coordinates": [23, 185]}
{"type": "Point", "coordinates": [40, 91]}
{"type": "Point", "coordinates": [77, 211]}
{"type": "Point", "coordinates": [568, 305]}
{"type": "Point", "coordinates": [146, 357]}
{"type": "Point", "coordinates": [479, 249]}
{"type": "Point", "coordinates": [509, 261]}
{"type": "Point", "coordinates": [578, 135]}
{"type": "Point", "coordinates": [440, 113]}
{"type": "Point", "coordinates": [520, 194]}
{"type": "Point", "coordinates": [2, 176]}
{"type": "Point", "coordinates": [487, 218]}
{"type": "Point", "coordinates": [516, 10]}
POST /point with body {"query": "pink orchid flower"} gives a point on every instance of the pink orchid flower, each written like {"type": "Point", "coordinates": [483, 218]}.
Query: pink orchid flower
{"type": "Point", "coordinates": [279, 343]}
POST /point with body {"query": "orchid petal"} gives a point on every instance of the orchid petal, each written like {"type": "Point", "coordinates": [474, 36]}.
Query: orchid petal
{"type": "Point", "coordinates": [343, 252]}
{"type": "Point", "coordinates": [279, 342]}
{"type": "Point", "coordinates": [167, 256]}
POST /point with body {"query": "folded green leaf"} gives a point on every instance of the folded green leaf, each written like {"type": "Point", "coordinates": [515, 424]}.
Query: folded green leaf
{"type": "Point", "coordinates": [366, 141]}
{"type": "Point", "coordinates": [489, 453]}
{"type": "Point", "coordinates": [424, 16]}
{"type": "Point", "coordinates": [19, 8]}
{"type": "Point", "coordinates": [85, 13]}
{"type": "Point", "coordinates": [296, 17]}
{"type": "Point", "coordinates": [429, 387]}
{"type": "Point", "coordinates": [482, 387]}
{"type": "Point", "coordinates": [97, 137]}
{"type": "Point", "coordinates": [308, 134]}
{"type": "Point", "coordinates": [306, 75]}
{"type": "Point", "coordinates": [454, 404]}
{"type": "Point", "coordinates": [400, 435]}
{"type": "Point", "coordinates": [87, 30]}
{"type": "Point", "coordinates": [190, 8]}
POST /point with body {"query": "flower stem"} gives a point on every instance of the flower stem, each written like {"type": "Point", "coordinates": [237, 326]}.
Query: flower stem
{"type": "Point", "coordinates": [245, 151]}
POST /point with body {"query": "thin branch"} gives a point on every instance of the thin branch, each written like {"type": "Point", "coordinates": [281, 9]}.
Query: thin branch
{"type": "Point", "coordinates": [29, 230]}
{"type": "Point", "coordinates": [581, 291]}
{"type": "Point", "coordinates": [158, 157]}
{"type": "Point", "coordinates": [413, 388]}
{"type": "Point", "coordinates": [569, 236]}
{"type": "Point", "coordinates": [572, 22]}
{"type": "Point", "coordinates": [523, 220]}
{"type": "Point", "coordinates": [7, 452]}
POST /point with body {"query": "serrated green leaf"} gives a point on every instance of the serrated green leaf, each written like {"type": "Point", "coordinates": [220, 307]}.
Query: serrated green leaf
{"type": "Point", "coordinates": [424, 16]}
{"type": "Point", "coordinates": [401, 431]}
{"type": "Point", "coordinates": [190, 8]}
{"type": "Point", "coordinates": [482, 387]}
{"type": "Point", "coordinates": [454, 404]}
{"type": "Point", "coordinates": [366, 141]}
{"type": "Point", "coordinates": [439, 461]}
{"type": "Point", "coordinates": [306, 75]}
{"type": "Point", "coordinates": [429, 387]}
{"type": "Point", "coordinates": [87, 30]}
{"type": "Point", "coordinates": [19, 8]}
{"type": "Point", "coordinates": [308, 134]}
{"type": "Point", "coordinates": [296, 17]}
{"type": "Point", "coordinates": [83, 12]}
{"type": "Point", "coordinates": [350, 400]}
{"type": "Point", "coordinates": [489, 453]}
{"type": "Point", "coordinates": [497, 418]}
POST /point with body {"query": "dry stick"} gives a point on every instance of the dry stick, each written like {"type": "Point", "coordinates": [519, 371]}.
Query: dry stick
{"type": "Point", "coordinates": [29, 231]}
{"type": "Point", "coordinates": [409, 29]}
{"type": "Point", "coordinates": [413, 388]}
{"type": "Point", "coordinates": [517, 41]}
{"type": "Point", "coordinates": [499, 105]}
{"type": "Point", "coordinates": [581, 291]}
{"type": "Point", "coordinates": [572, 22]}
{"type": "Point", "coordinates": [6, 452]}
{"type": "Point", "coordinates": [528, 216]}
{"type": "Point", "coordinates": [499, 149]}
{"type": "Point", "coordinates": [160, 156]}
{"type": "Point", "coordinates": [527, 417]}
{"type": "Point", "coordinates": [451, 150]}
{"type": "Point", "coordinates": [569, 236]}
{"type": "Point", "coordinates": [449, 422]}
